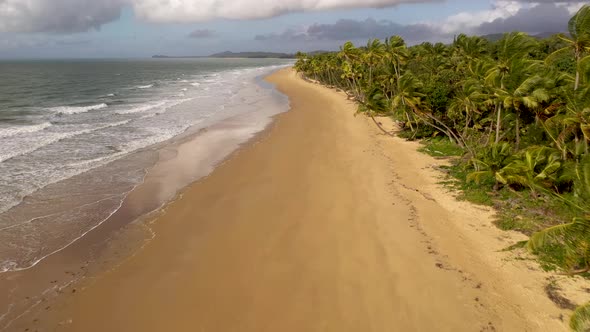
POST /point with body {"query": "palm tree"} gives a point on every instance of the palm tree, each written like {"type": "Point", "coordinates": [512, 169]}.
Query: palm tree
{"type": "Point", "coordinates": [571, 121]}
{"type": "Point", "coordinates": [536, 168]}
{"type": "Point", "coordinates": [578, 43]}
{"type": "Point", "coordinates": [490, 162]}
{"type": "Point", "coordinates": [373, 55]}
{"type": "Point", "coordinates": [351, 57]}
{"type": "Point", "coordinates": [376, 104]}
{"type": "Point", "coordinates": [466, 102]}
{"type": "Point", "coordinates": [525, 93]}
{"type": "Point", "coordinates": [512, 49]}
{"type": "Point", "coordinates": [406, 95]}
{"type": "Point", "coordinates": [397, 53]}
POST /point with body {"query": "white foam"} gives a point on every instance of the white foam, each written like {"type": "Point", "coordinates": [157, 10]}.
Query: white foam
{"type": "Point", "coordinates": [142, 108]}
{"type": "Point", "coordinates": [196, 84]}
{"type": "Point", "coordinates": [67, 110]}
{"type": "Point", "coordinates": [145, 86]}
{"type": "Point", "coordinates": [166, 104]}
{"type": "Point", "coordinates": [40, 142]}
{"type": "Point", "coordinates": [17, 130]}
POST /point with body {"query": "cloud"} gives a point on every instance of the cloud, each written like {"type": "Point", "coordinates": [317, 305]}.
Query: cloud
{"type": "Point", "coordinates": [467, 21]}
{"type": "Point", "coordinates": [347, 29]}
{"type": "Point", "coordinates": [71, 16]}
{"type": "Point", "coordinates": [546, 17]}
{"type": "Point", "coordinates": [196, 11]}
{"type": "Point", "coordinates": [202, 34]}
{"type": "Point", "coordinates": [57, 16]}
{"type": "Point", "coordinates": [509, 15]}
{"type": "Point", "coordinates": [503, 16]}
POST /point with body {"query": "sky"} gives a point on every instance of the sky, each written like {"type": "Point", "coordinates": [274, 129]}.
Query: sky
{"type": "Point", "coordinates": [31, 29]}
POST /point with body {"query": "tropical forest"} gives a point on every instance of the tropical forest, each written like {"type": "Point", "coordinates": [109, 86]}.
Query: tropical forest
{"type": "Point", "coordinates": [511, 113]}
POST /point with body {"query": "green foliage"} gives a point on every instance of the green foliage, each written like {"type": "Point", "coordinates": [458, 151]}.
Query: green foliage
{"type": "Point", "coordinates": [580, 320]}
{"type": "Point", "coordinates": [490, 163]}
{"type": "Point", "coordinates": [441, 147]}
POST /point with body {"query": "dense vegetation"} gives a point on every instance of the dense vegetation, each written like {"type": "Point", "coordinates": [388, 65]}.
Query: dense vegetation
{"type": "Point", "coordinates": [517, 110]}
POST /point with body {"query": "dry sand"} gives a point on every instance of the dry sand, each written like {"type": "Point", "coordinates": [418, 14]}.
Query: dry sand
{"type": "Point", "coordinates": [321, 224]}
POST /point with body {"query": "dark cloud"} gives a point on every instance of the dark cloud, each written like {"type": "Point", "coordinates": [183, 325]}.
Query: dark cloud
{"type": "Point", "coordinates": [202, 34]}
{"type": "Point", "coordinates": [351, 29]}
{"type": "Point", "coordinates": [546, 17]}
{"type": "Point", "coordinates": [347, 29]}
{"type": "Point", "coordinates": [57, 16]}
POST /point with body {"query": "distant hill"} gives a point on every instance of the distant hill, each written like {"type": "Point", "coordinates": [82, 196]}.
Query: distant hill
{"type": "Point", "coordinates": [248, 55]}
{"type": "Point", "coordinates": [253, 55]}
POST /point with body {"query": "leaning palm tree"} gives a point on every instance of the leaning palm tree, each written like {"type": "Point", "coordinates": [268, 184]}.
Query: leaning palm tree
{"type": "Point", "coordinates": [578, 43]}
{"type": "Point", "coordinates": [376, 104]}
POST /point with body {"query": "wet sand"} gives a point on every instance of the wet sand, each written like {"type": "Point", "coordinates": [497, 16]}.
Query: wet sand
{"type": "Point", "coordinates": [321, 224]}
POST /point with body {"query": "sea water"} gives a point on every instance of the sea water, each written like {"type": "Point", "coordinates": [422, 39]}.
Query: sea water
{"type": "Point", "coordinates": [77, 136]}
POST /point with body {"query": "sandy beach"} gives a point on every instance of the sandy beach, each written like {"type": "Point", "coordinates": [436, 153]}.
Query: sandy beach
{"type": "Point", "coordinates": [321, 223]}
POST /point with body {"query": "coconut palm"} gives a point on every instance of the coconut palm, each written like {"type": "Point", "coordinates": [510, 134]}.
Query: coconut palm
{"type": "Point", "coordinates": [536, 168]}
{"type": "Point", "coordinates": [466, 102]}
{"type": "Point", "coordinates": [372, 57]}
{"type": "Point", "coordinates": [579, 41]}
{"type": "Point", "coordinates": [397, 53]}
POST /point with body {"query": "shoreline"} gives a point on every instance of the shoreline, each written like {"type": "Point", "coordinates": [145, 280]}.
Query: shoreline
{"type": "Point", "coordinates": [127, 229]}
{"type": "Point", "coordinates": [293, 233]}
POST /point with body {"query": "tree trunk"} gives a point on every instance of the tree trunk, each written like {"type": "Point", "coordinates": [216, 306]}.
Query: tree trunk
{"type": "Point", "coordinates": [498, 123]}
{"type": "Point", "coordinates": [379, 125]}
{"type": "Point", "coordinates": [496, 186]}
{"type": "Point", "coordinates": [467, 120]}
{"type": "Point", "coordinates": [517, 130]}
{"type": "Point", "coordinates": [409, 121]}
{"type": "Point", "coordinates": [577, 83]}
{"type": "Point", "coordinates": [490, 133]}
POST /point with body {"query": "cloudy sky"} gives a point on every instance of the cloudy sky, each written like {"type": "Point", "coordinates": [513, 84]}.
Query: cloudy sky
{"type": "Point", "coordinates": [141, 28]}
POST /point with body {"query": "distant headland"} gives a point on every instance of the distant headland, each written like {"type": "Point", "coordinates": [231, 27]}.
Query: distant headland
{"type": "Point", "coordinates": [251, 55]}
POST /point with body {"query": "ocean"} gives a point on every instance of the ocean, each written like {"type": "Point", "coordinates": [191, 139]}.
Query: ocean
{"type": "Point", "coordinates": [77, 136]}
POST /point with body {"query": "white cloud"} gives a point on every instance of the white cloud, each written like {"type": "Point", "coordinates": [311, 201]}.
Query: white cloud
{"type": "Point", "coordinates": [201, 10]}
{"type": "Point", "coordinates": [466, 21]}
{"type": "Point", "coordinates": [572, 8]}
{"type": "Point", "coordinates": [500, 10]}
